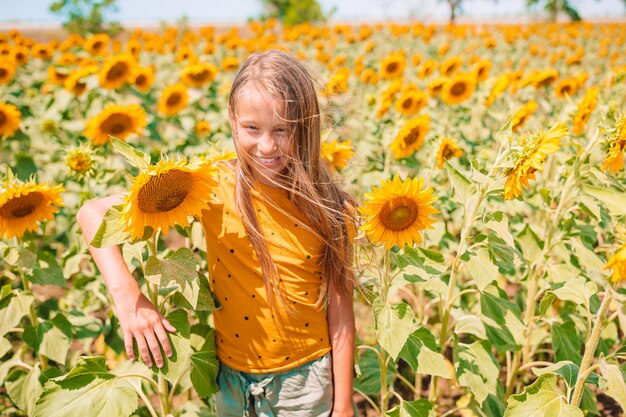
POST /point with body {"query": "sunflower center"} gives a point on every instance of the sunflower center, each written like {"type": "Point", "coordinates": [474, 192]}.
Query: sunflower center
{"type": "Point", "coordinates": [447, 153]}
{"type": "Point", "coordinates": [116, 124]}
{"type": "Point", "coordinates": [3, 72]}
{"type": "Point", "coordinates": [173, 99]}
{"type": "Point", "coordinates": [141, 80]}
{"type": "Point", "coordinates": [458, 89]}
{"type": "Point", "coordinates": [165, 192]}
{"type": "Point", "coordinates": [97, 46]}
{"type": "Point", "coordinates": [407, 104]}
{"type": "Point", "coordinates": [199, 76]}
{"type": "Point", "coordinates": [392, 67]}
{"type": "Point", "coordinates": [21, 206]}
{"type": "Point", "coordinates": [398, 214]}
{"type": "Point", "coordinates": [118, 70]}
{"type": "Point", "coordinates": [412, 137]}
{"type": "Point", "coordinates": [3, 118]}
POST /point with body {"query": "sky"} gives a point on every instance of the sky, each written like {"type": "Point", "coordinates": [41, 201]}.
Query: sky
{"type": "Point", "coordinates": [153, 11]}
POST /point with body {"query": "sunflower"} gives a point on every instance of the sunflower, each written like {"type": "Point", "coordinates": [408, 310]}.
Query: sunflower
{"type": "Point", "coordinates": [450, 66]}
{"type": "Point", "coordinates": [614, 161]}
{"type": "Point", "coordinates": [7, 70]}
{"type": "Point", "coordinates": [586, 106]}
{"type": "Point", "coordinates": [43, 51]}
{"type": "Point", "coordinates": [337, 153]}
{"type": "Point", "coordinates": [544, 78]}
{"type": "Point", "coordinates": [566, 87]}
{"type": "Point", "coordinates": [411, 101]}
{"type": "Point", "coordinates": [520, 117]}
{"type": "Point", "coordinates": [393, 65]}
{"type": "Point", "coordinates": [500, 86]}
{"type": "Point", "coordinates": [21, 54]}
{"type": "Point", "coordinates": [96, 44]}
{"type": "Point", "coordinates": [428, 67]}
{"type": "Point", "coordinates": [338, 83]}
{"type": "Point", "coordinates": [230, 63]}
{"type": "Point", "coordinates": [397, 212]}
{"type": "Point", "coordinates": [458, 89]}
{"type": "Point", "coordinates": [481, 71]}
{"type": "Point", "coordinates": [447, 149]}
{"type": "Point", "coordinates": [114, 120]}
{"type": "Point", "coordinates": [411, 137]}
{"type": "Point", "coordinates": [173, 99]}
{"type": "Point", "coordinates": [22, 206]}
{"type": "Point", "coordinates": [142, 78]}
{"type": "Point", "coordinates": [196, 75]}
{"type": "Point", "coordinates": [116, 71]}
{"type": "Point", "coordinates": [203, 128]}
{"type": "Point", "coordinates": [436, 85]}
{"type": "Point", "coordinates": [617, 263]}
{"type": "Point", "coordinates": [76, 83]}
{"type": "Point", "coordinates": [80, 161]}
{"type": "Point", "coordinates": [536, 147]}
{"type": "Point", "coordinates": [10, 118]}
{"type": "Point", "coordinates": [369, 76]}
{"type": "Point", "coordinates": [165, 194]}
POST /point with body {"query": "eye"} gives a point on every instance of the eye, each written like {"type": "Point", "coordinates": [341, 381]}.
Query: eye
{"type": "Point", "coordinates": [250, 127]}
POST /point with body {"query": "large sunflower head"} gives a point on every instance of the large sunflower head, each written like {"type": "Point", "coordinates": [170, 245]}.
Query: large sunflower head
{"type": "Point", "coordinates": [196, 75]}
{"type": "Point", "coordinates": [393, 65]}
{"type": "Point", "coordinates": [447, 149]}
{"type": "Point", "coordinates": [116, 71]}
{"type": "Point", "coordinates": [458, 89]}
{"type": "Point", "coordinates": [167, 193]}
{"type": "Point", "coordinates": [337, 153]}
{"type": "Point", "coordinates": [24, 205]}
{"type": "Point", "coordinates": [114, 120]}
{"type": "Point", "coordinates": [411, 137]}
{"type": "Point", "coordinates": [10, 118]}
{"type": "Point", "coordinates": [535, 148]}
{"type": "Point", "coordinates": [397, 212]}
{"type": "Point", "coordinates": [614, 160]}
{"type": "Point", "coordinates": [173, 99]}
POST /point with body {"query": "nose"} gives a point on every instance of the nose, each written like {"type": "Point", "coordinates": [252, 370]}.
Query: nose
{"type": "Point", "coordinates": [266, 144]}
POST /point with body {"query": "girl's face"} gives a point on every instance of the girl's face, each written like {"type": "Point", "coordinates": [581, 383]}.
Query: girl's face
{"type": "Point", "coordinates": [261, 133]}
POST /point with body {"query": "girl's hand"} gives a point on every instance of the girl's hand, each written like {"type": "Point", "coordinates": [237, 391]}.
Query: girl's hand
{"type": "Point", "coordinates": [139, 319]}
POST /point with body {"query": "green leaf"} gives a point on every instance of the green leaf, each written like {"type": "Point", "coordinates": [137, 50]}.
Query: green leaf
{"type": "Point", "coordinates": [5, 346]}
{"type": "Point", "coordinates": [24, 388]}
{"type": "Point", "coordinates": [101, 398]}
{"type": "Point", "coordinates": [180, 320]}
{"type": "Point", "coordinates": [612, 199]}
{"type": "Point", "coordinates": [566, 342]}
{"type": "Point", "coordinates": [568, 370]}
{"type": "Point", "coordinates": [134, 157]}
{"type": "Point", "coordinates": [414, 343]}
{"type": "Point", "coordinates": [503, 318]}
{"type": "Point", "coordinates": [477, 369]}
{"type": "Point", "coordinates": [499, 223]}
{"type": "Point", "coordinates": [546, 302]}
{"type": "Point", "coordinates": [501, 254]}
{"type": "Point", "coordinates": [204, 367]}
{"type": "Point", "coordinates": [541, 399]}
{"type": "Point", "coordinates": [111, 231]}
{"type": "Point", "coordinates": [48, 340]}
{"type": "Point", "coordinates": [577, 290]}
{"type": "Point", "coordinates": [176, 365]}
{"type": "Point", "coordinates": [588, 259]}
{"type": "Point", "coordinates": [46, 270]}
{"type": "Point", "coordinates": [462, 186]}
{"type": "Point", "coordinates": [613, 383]}
{"type": "Point", "coordinates": [481, 268]}
{"type": "Point", "coordinates": [84, 372]}
{"type": "Point", "coordinates": [430, 362]}
{"type": "Point", "coordinates": [367, 377]}
{"type": "Point", "coordinates": [18, 306]}
{"type": "Point", "coordinates": [418, 408]}
{"type": "Point", "coordinates": [178, 270]}
{"type": "Point", "coordinates": [394, 323]}
{"type": "Point", "coordinates": [530, 243]}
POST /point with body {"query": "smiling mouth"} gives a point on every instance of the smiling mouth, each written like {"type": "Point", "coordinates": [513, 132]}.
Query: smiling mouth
{"type": "Point", "coordinates": [268, 161]}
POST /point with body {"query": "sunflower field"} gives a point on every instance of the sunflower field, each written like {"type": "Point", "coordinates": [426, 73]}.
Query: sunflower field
{"type": "Point", "coordinates": [487, 162]}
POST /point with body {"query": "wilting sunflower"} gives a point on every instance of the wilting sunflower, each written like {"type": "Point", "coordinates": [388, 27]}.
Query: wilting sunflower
{"type": "Point", "coordinates": [23, 205]}
{"type": "Point", "coordinates": [165, 194]}
{"type": "Point", "coordinates": [536, 147]}
{"type": "Point", "coordinates": [520, 117]}
{"type": "Point", "coordinates": [458, 89]}
{"type": "Point", "coordinates": [173, 99]}
{"type": "Point", "coordinates": [10, 118]}
{"type": "Point", "coordinates": [142, 78]}
{"type": "Point", "coordinates": [586, 106]}
{"type": "Point", "coordinates": [411, 101]}
{"type": "Point", "coordinates": [337, 153]}
{"type": "Point", "coordinates": [393, 65]}
{"type": "Point", "coordinates": [114, 120]}
{"type": "Point", "coordinates": [116, 71]}
{"type": "Point", "coordinates": [447, 149]}
{"type": "Point", "coordinates": [196, 75]}
{"type": "Point", "coordinates": [411, 137]}
{"type": "Point", "coordinates": [397, 212]}
{"type": "Point", "coordinates": [614, 161]}
{"type": "Point", "coordinates": [617, 263]}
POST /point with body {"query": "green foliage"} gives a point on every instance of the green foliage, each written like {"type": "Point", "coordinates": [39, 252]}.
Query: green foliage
{"type": "Point", "coordinates": [293, 12]}
{"type": "Point", "coordinates": [555, 7]}
{"type": "Point", "coordinates": [87, 16]}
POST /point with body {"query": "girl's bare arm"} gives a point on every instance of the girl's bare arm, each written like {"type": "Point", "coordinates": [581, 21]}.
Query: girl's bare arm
{"type": "Point", "coordinates": [341, 330]}
{"type": "Point", "coordinates": [139, 319]}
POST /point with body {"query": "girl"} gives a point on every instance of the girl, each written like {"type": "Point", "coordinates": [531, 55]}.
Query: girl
{"type": "Point", "coordinates": [278, 252]}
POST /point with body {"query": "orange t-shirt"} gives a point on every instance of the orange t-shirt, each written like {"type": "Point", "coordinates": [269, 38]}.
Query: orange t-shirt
{"type": "Point", "coordinates": [247, 337]}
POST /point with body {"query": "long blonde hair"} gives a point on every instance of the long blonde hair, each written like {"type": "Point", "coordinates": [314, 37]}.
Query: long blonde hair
{"type": "Point", "coordinates": [307, 179]}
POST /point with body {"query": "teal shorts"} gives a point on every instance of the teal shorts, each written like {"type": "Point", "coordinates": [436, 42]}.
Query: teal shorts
{"type": "Point", "coordinates": [304, 391]}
